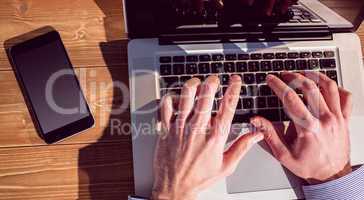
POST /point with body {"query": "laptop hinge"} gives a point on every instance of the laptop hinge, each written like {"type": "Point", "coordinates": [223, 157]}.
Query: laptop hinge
{"type": "Point", "coordinates": [273, 34]}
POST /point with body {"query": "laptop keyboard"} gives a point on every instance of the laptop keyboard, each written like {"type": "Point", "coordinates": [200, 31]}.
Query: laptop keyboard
{"type": "Point", "coordinates": [256, 98]}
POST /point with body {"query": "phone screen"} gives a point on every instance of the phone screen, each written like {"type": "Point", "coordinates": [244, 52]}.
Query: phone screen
{"type": "Point", "coordinates": [50, 84]}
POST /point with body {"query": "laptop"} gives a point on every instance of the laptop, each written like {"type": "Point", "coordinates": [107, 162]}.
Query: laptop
{"type": "Point", "coordinates": [170, 44]}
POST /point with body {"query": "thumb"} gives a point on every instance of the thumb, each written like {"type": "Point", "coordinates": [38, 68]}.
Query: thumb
{"type": "Point", "coordinates": [238, 149]}
{"type": "Point", "coordinates": [277, 145]}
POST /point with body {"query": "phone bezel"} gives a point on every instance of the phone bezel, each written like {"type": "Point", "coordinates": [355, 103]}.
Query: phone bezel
{"type": "Point", "coordinates": [69, 129]}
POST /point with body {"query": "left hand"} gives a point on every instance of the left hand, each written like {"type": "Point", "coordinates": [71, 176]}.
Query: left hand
{"type": "Point", "coordinates": [191, 155]}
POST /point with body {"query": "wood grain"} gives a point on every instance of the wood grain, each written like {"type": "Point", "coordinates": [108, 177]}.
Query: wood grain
{"type": "Point", "coordinates": [96, 171]}
{"type": "Point", "coordinates": [16, 124]}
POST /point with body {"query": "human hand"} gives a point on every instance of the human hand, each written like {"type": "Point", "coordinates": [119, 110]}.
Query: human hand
{"type": "Point", "coordinates": [320, 150]}
{"type": "Point", "coordinates": [191, 155]}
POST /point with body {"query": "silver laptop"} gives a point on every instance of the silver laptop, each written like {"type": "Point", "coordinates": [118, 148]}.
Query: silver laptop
{"type": "Point", "coordinates": [169, 45]}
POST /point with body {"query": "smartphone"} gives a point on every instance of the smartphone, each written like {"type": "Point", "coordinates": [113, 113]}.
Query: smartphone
{"type": "Point", "coordinates": [50, 87]}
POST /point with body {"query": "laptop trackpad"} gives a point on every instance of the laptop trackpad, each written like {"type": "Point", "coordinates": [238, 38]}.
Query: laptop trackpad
{"type": "Point", "coordinates": [259, 171]}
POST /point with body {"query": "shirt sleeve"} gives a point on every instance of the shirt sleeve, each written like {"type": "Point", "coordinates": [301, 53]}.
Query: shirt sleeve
{"type": "Point", "coordinates": [349, 187]}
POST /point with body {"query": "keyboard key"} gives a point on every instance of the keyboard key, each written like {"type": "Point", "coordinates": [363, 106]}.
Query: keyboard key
{"type": "Point", "coordinates": [229, 67]}
{"type": "Point", "coordinates": [184, 79]}
{"type": "Point", "coordinates": [281, 55]}
{"type": "Point", "coordinates": [327, 63]}
{"type": "Point", "coordinates": [293, 55]}
{"type": "Point", "coordinates": [268, 56]}
{"type": "Point", "coordinates": [275, 74]}
{"type": "Point", "coordinates": [313, 64]}
{"type": "Point", "coordinates": [261, 102]}
{"type": "Point", "coordinates": [241, 66]}
{"type": "Point", "coordinates": [248, 103]}
{"type": "Point", "coordinates": [243, 91]}
{"type": "Point", "coordinates": [201, 77]}
{"type": "Point", "coordinates": [284, 116]}
{"type": "Point", "coordinates": [305, 54]}
{"type": "Point", "coordinates": [266, 66]}
{"type": "Point", "coordinates": [192, 58]}
{"type": "Point", "coordinates": [243, 56]}
{"type": "Point", "coordinates": [204, 68]}
{"type": "Point", "coordinates": [224, 79]}
{"type": "Point", "coordinates": [191, 68]}
{"type": "Point", "coordinates": [289, 65]}
{"type": "Point", "coordinates": [168, 82]}
{"type": "Point", "coordinates": [205, 58]}
{"type": "Point", "coordinates": [218, 57]}
{"type": "Point", "coordinates": [329, 54]}
{"type": "Point", "coordinates": [215, 106]}
{"type": "Point", "coordinates": [230, 56]}
{"type": "Point", "coordinates": [278, 65]}
{"type": "Point", "coordinates": [165, 59]}
{"type": "Point", "coordinates": [243, 116]}
{"type": "Point", "coordinates": [249, 78]}
{"type": "Point", "coordinates": [317, 54]}
{"type": "Point", "coordinates": [217, 68]}
{"type": "Point", "coordinates": [264, 90]}
{"type": "Point", "coordinates": [270, 114]}
{"type": "Point", "coordinates": [178, 59]}
{"type": "Point", "coordinates": [301, 64]}
{"type": "Point", "coordinates": [176, 91]}
{"type": "Point", "coordinates": [253, 66]}
{"type": "Point", "coordinates": [332, 74]}
{"type": "Point", "coordinates": [178, 69]}
{"type": "Point", "coordinates": [224, 89]}
{"type": "Point", "coordinates": [272, 102]}
{"type": "Point", "coordinates": [239, 106]}
{"type": "Point", "coordinates": [260, 77]}
{"type": "Point", "coordinates": [252, 90]}
{"type": "Point", "coordinates": [256, 56]}
{"type": "Point", "coordinates": [165, 70]}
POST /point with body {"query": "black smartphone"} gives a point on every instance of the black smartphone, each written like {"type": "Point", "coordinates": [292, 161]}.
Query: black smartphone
{"type": "Point", "coordinates": [50, 87]}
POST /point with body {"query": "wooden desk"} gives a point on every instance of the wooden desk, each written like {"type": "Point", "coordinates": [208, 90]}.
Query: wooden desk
{"type": "Point", "coordinates": [98, 163]}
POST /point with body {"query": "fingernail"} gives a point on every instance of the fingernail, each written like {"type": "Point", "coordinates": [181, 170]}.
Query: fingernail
{"type": "Point", "coordinates": [269, 77]}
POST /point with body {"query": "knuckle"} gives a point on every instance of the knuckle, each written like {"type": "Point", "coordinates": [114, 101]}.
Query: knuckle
{"type": "Point", "coordinates": [290, 96]}
{"type": "Point", "coordinates": [309, 85]}
{"type": "Point", "coordinates": [330, 85]}
{"type": "Point", "coordinates": [328, 119]}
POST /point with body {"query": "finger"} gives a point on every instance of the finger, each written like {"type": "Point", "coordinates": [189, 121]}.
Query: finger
{"type": "Point", "coordinates": [311, 93]}
{"type": "Point", "coordinates": [277, 145]}
{"type": "Point", "coordinates": [167, 111]}
{"type": "Point", "coordinates": [205, 100]}
{"type": "Point", "coordinates": [186, 103]}
{"type": "Point", "coordinates": [270, 7]}
{"type": "Point", "coordinates": [238, 150]}
{"type": "Point", "coordinates": [291, 101]}
{"type": "Point", "coordinates": [346, 103]}
{"type": "Point", "coordinates": [225, 114]}
{"type": "Point", "coordinates": [329, 90]}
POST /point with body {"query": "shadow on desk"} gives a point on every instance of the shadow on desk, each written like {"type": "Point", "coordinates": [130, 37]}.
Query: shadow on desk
{"type": "Point", "coordinates": [105, 167]}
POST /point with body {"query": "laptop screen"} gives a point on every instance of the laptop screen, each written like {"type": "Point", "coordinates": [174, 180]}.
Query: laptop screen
{"type": "Point", "coordinates": [150, 18]}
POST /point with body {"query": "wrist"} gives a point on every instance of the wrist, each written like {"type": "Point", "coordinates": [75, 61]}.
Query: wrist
{"type": "Point", "coordinates": [347, 170]}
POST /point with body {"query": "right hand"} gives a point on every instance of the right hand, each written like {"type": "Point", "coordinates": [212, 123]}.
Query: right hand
{"type": "Point", "coordinates": [320, 150]}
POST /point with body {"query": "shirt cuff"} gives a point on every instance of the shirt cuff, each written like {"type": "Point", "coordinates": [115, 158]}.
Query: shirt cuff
{"type": "Point", "coordinates": [349, 187]}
